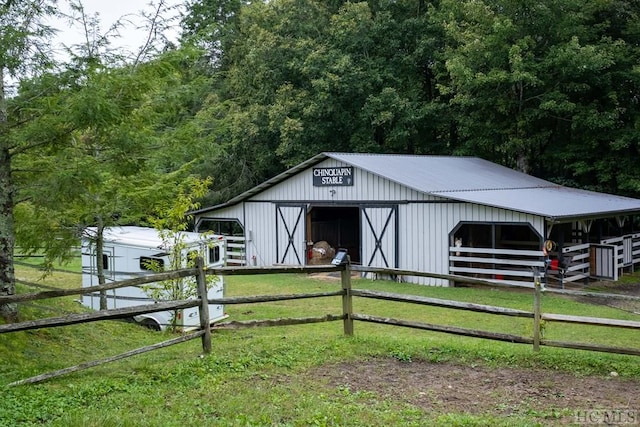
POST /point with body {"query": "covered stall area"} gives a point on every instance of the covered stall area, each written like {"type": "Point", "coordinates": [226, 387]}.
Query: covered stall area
{"type": "Point", "coordinates": [586, 236]}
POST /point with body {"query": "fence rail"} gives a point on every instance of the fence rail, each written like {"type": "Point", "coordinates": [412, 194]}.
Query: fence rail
{"type": "Point", "coordinates": [510, 266]}
{"type": "Point", "coordinates": [578, 259]}
{"type": "Point", "coordinates": [347, 316]}
{"type": "Point", "coordinates": [605, 259]}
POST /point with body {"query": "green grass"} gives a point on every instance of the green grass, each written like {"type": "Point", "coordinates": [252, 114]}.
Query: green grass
{"type": "Point", "coordinates": [257, 377]}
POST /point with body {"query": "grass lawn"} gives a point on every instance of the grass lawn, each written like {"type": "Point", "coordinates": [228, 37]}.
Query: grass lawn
{"type": "Point", "coordinates": [269, 376]}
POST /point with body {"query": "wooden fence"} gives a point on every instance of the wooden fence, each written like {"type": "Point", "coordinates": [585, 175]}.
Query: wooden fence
{"type": "Point", "coordinates": [347, 316]}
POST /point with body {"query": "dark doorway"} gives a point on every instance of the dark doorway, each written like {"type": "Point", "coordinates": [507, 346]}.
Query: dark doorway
{"type": "Point", "coordinates": [497, 236]}
{"type": "Point", "coordinates": [338, 226]}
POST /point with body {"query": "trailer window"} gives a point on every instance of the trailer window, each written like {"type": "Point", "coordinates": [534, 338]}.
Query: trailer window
{"type": "Point", "coordinates": [105, 261]}
{"type": "Point", "coordinates": [214, 254]}
{"type": "Point", "coordinates": [151, 264]}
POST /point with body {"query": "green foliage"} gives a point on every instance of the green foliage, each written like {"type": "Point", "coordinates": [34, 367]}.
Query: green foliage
{"type": "Point", "coordinates": [534, 95]}
{"type": "Point", "coordinates": [24, 37]}
{"type": "Point", "coordinates": [171, 222]}
{"type": "Point", "coordinates": [302, 77]}
{"type": "Point", "coordinates": [105, 171]}
{"type": "Point", "coordinates": [548, 88]}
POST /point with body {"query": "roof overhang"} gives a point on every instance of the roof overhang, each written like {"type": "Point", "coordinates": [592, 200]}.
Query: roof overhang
{"type": "Point", "coordinates": [557, 204]}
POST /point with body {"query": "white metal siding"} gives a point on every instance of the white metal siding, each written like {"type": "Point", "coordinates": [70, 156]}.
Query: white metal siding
{"type": "Point", "coordinates": [366, 187]}
{"type": "Point", "coordinates": [229, 212]}
{"type": "Point", "coordinates": [425, 227]}
{"type": "Point", "coordinates": [260, 224]}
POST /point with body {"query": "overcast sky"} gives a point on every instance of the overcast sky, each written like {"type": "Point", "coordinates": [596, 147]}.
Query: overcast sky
{"type": "Point", "coordinates": [109, 12]}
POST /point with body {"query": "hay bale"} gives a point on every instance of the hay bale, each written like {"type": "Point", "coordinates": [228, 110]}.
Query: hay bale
{"type": "Point", "coordinates": [322, 253]}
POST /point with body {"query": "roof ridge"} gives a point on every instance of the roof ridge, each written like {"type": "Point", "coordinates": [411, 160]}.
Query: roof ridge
{"type": "Point", "coordinates": [496, 189]}
{"type": "Point", "coordinates": [342, 153]}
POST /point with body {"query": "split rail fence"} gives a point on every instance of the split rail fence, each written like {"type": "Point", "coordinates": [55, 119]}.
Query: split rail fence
{"type": "Point", "coordinates": [347, 316]}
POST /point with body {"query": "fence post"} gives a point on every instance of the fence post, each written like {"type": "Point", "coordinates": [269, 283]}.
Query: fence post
{"type": "Point", "coordinates": [536, 310]}
{"type": "Point", "coordinates": [347, 304]}
{"type": "Point", "coordinates": [201, 280]}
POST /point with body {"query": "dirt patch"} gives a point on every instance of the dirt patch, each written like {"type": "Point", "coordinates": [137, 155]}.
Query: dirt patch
{"type": "Point", "coordinates": [622, 289]}
{"type": "Point", "coordinates": [548, 397]}
{"type": "Point", "coordinates": [333, 276]}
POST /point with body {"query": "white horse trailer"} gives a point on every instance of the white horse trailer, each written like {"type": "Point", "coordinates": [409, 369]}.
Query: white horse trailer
{"type": "Point", "coordinates": [130, 252]}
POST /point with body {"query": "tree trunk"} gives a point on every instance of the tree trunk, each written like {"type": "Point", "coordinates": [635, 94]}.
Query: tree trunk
{"type": "Point", "coordinates": [7, 237]}
{"type": "Point", "coordinates": [522, 163]}
{"type": "Point", "coordinates": [100, 262]}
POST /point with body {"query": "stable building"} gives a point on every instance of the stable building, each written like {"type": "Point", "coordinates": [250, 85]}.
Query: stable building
{"type": "Point", "coordinates": [438, 214]}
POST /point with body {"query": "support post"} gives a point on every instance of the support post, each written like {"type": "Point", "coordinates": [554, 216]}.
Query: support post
{"type": "Point", "coordinates": [536, 310]}
{"type": "Point", "coordinates": [347, 304]}
{"type": "Point", "coordinates": [201, 280]}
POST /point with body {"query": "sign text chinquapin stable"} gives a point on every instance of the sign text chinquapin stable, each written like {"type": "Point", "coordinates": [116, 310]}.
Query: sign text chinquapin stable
{"type": "Point", "coordinates": [324, 177]}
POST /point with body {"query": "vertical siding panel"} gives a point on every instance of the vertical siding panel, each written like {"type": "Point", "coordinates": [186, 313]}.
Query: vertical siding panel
{"type": "Point", "coordinates": [406, 241]}
{"type": "Point", "coordinates": [435, 234]}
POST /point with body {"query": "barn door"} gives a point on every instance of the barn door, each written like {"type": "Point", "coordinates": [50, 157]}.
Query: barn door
{"type": "Point", "coordinates": [290, 234]}
{"type": "Point", "coordinates": [380, 236]}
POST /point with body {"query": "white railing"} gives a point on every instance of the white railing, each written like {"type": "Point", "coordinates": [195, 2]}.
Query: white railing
{"type": "Point", "coordinates": [604, 260]}
{"type": "Point", "coordinates": [577, 262]}
{"type": "Point", "coordinates": [236, 251]}
{"type": "Point", "coordinates": [509, 266]}
{"type": "Point", "coordinates": [627, 252]}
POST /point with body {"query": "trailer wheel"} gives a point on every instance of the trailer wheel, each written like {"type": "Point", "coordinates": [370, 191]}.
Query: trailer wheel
{"type": "Point", "coordinates": [151, 324]}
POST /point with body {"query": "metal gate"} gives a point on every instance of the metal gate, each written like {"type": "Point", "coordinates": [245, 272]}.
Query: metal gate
{"type": "Point", "coordinates": [603, 262]}
{"type": "Point", "coordinates": [380, 236]}
{"type": "Point", "coordinates": [627, 251]}
{"type": "Point", "coordinates": [290, 234]}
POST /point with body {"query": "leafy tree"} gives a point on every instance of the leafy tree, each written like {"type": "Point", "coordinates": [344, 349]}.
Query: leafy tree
{"type": "Point", "coordinates": [109, 171]}
{"type": "Point", "coordinates": [172, 219]}
{"type": "Point", "coordinates": [211, 25]}
{"type": "Point", "coordinates": [22, 52]}
{"type": "Point", "coordinates": [299, 77]}
{"type": "Point", "coordinates": [546, 87]}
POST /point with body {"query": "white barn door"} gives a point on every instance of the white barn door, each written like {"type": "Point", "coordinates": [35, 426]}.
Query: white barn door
{"type": "Point", "coordinates": [291, 242]}
{"type": "Point", "coordinates": [380, 236]}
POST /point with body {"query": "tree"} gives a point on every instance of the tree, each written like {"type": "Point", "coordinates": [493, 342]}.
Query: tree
{"type": "Point", "coordinates": [172, 220]}
{"type": "Point", "coordinates": [22, 51]}
{"type": "Point", "coordinates": [546, 87]}
{"type": "Point", "coordinates": [109, 171]}
{"type": "Point", "coordinates": [211, 25]}
{"type": "Point", "coordinates": [300, 77]}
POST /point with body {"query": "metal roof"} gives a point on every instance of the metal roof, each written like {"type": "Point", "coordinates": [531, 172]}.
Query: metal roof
{"type": "Point", "coordinates": [144, 236]}
{"type": "Point", "coordinates": [474, 180]}
{"type": "Point", "coordinates": [430, 174]}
